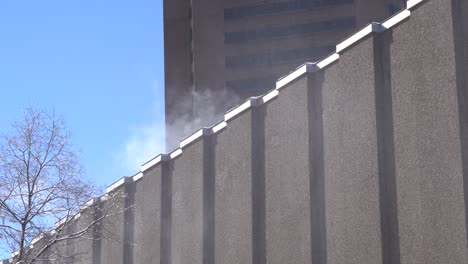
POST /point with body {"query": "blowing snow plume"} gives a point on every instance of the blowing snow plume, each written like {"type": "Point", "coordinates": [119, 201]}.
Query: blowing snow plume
{"type": "Point", "coordinates": [196, 110]}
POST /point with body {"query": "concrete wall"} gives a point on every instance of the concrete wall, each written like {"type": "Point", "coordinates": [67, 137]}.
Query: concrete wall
{"type": "Point", "coordinates": [234, 191]}
{"type": "Point", "coordinates": [287, 194]}
{"type": "Point", "coordinates": [351, 168]}
{"type": "Point", "coordinates": [359, 158]}
{"type": "Point", "coordinates": [428, 164]}
{"type": "Point", "coordinates": [147, 223]}
{"type": "Point", "coordinates": [187, 205]}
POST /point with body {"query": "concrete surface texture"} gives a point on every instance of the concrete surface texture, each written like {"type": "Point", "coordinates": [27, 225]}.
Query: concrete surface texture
{"type": "Point", "coordinates": [360, 158]}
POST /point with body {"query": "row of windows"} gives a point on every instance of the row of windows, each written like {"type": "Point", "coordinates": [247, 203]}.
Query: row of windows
{"type": "Point", "coordinates": [283, 56]}
{"type": "Point", "coordinates": [394, 8]}
{"type": "Point", "coordinates": [252, 85]}
{"type": "Point", "coordinates": [273, 32]}
{"type": "Point", "coordinates": [271, 8]}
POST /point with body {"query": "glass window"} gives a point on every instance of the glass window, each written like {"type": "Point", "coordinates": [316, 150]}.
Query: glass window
{"type": "Point", "coordinates": [273, 32]}
{"type": "Point", "coordinates": [271, 8]}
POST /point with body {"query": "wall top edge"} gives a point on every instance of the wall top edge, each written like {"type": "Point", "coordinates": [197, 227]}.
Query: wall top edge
{"type": "Point", "coordinates": [252, 101]}
{"type": "Point", "coordinates": [270, 96]}
{"type": "Point", "coordinates": [175, 153]}
{"type": "Point", "coordinates": [137, 176]}
{"type": "Point", "coordinates": [36, 239]}
{"type": "Point", "coordinates": [198, 134]}
{"type": "Point", "coordinates": [218, 127]}
{"type": "Point", "coordinates": [158, 157]}
{"type": "Point", "coordinates": [282, 82]}
{"type": "Point", "coordinates": [373, 27]}
{"type": "Point", "coordinates": [325, 62]}
{"type": "Point", "coordinates": [307, 67]}
{"type": "Point", "coordinates": [89, 203]}
{"type": "Point", "coordinates": [118, 183]}
{"type": "Point", "coordinates": [413, 3]}
{"type": "Point", "coordinates": [291, 72]}
{"type": "Point", "coordinates": [153, 162]}
{"type": "Point", "coordinates": [395, 19]}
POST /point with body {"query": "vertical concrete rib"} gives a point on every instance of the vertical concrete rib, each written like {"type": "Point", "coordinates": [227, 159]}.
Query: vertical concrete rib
{"type": "Point", "coordinates": [318, 225]}
{"type": "Point", "coordinates": [386, 152]}
{"type": "Point", "coordinates": [129, 222]}
{"type": "Point", "coordinates": [258, 184]}
{"type": "Point", "coordinates": [460, 26]}
{"type": "Point", "coordinates": [70, 255]}
{"type": "Point", "coordinates": [97, 233]}
{"type": "Point", "coordinates": [166, 211]}
{"type": "Point", "coordinates": [208, 199]}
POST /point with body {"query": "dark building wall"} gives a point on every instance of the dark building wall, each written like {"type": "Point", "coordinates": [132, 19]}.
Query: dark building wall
{"type": "Point", "coordinates": [360, 158]}
{"type": "Point", "coordinates": [178, 73]}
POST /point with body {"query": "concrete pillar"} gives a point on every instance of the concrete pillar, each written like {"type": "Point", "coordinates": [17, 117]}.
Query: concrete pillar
{"type": "Point", "coordinates": [166, 212]}
{"type": "Point", "coordinates": [97, 232]}
{"type": "Point", "coordinates": [460, 24]}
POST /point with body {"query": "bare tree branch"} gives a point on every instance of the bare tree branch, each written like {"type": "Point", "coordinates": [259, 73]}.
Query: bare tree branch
{"type": "Point", "coordinates": [43, 188]}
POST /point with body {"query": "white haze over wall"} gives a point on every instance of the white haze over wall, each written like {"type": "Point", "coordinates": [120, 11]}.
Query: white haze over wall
{"type": "Point", "coordinates": [210, 106]}
{"type": "Point", "coordinates": [146, 141]}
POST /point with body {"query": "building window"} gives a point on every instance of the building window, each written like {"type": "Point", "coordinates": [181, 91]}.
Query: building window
{"type": "Point", "coordinates": [252, 85]}
{"type": "Point", "coordinates": [273, 32]}
{"type": "Point", "coordinates": [281, 56]}
{"type": "Point", "coordinates": [278, 7]}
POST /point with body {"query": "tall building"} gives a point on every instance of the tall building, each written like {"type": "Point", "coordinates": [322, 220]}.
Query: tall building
{"type": "Point", "coordinates": [218, 53]}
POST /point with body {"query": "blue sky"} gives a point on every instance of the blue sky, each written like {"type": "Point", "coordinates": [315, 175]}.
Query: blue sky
{"type": "Point", "coordinates": [99, 64]}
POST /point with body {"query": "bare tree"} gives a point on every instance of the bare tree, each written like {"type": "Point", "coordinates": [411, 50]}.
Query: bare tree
{"type": "Point", "coordinates": [42, 188]}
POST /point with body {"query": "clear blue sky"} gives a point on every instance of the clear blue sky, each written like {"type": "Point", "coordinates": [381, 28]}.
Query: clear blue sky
{"type": "Point", "coordinates": [99, 64]}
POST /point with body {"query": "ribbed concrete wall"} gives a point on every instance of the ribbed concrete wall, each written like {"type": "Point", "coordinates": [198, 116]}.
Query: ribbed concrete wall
{"type": "Point", "coordinates": [359, 159]}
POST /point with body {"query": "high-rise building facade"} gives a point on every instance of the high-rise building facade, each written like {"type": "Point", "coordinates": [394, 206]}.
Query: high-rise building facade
{"type": "Point", "coordinates": [219, 52]}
